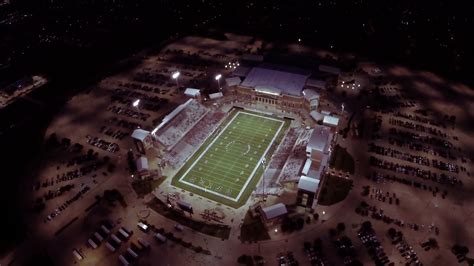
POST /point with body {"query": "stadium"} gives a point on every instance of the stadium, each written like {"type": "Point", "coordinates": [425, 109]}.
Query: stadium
{"type": "Point", "coordinates": [263, 131]}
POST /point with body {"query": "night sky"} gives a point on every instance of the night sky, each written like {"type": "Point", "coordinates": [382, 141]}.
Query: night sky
{"type": "Point", "coordinates": [434, 35]}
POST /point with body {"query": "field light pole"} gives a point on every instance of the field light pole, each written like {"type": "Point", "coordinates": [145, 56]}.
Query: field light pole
{"type": "Point", "coordinates": [175, 76]}
{"type": "Point", "coordinates": [136, 103]}
{"type": "Point", "coordinates": [218, 77]}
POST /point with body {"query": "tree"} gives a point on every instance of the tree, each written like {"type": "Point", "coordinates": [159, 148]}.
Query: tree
{"type": "Point", "coordinates": [299, 224]}
{"type": "Point", "coordinates": [341, 227]}
{"type": "Point", "coordinates": [332, 232]}
{"type": "Point", "coordinates": [392, 232]}
{"type": "Point", "coordinates": [433, 243]}
{"type": "Point", "coordinates": [316, 216]}
{"type": "Point", "coordinates": [111, 167]}
{"type": "Point", "coordinates": [367, 225]}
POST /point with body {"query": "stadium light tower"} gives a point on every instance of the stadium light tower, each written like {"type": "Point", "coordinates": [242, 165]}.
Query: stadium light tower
{"type": "Point", "coordinates": [218, 77]}
{"type": "Point", "coordinates": [175, 76]}
{"type": "Point", "coordinates": [136, 103]}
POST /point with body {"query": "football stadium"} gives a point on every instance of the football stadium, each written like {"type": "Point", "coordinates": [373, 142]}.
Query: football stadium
{"type": "Point", "coordinates": [258, 137]}
{"type": "Point", "coordinates": [229, 163]}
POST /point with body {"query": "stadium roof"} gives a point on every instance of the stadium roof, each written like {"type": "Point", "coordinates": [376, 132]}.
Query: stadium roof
{"type": "Point", "coordinates": [140, 134]}
{"type": "Point", "coordinates": [274, 211]}
{"type": "Point", "coordinates": [233, 81]}
{"type": "Point", "coordinates": [268, 90]}
{"type": "Point", "coordinates": [316, 83]}
{"type": "Point", "coordinates": [288, 80]}
{"type": "Point", "coordinates": [308, 184]}
{"type": "Point", "coordinates": [329, 69]}
{"type": "Point", "coordinates": [241, 71]}
{"type": "Point", "coordinates": [171, 115]}
{"type": "Point", "coordinates": [192, 92]}
{"type": "Point", "coordinates": [319, 139]}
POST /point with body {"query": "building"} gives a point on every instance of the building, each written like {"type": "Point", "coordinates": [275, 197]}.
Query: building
{"type": "Point", "coordinates": [272, 215]}
{"type": "Point", "coordinates": [216, 95]}
{"type": "Point", "coordinates": [193, 93]}
{"type": "Point", "coordinates": [142, 167]}
{"type": "Point", "coordinates": [318, 151]}
{"type": "Point", "coordinates": [319, 143]}
{"type": "Point", "coordinates": [276, 85]}
{"type": "Point", "coordinates": [142, 140]}
{"type": "Point", "coordinates": [331, 121]}
{"type": "Point", "coordinates": [307, 189]}
{"type": "Point", "coordinates": [284, 87]}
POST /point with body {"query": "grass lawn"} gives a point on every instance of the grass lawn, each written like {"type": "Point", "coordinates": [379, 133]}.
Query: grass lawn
{"type": "Point", "coordinates": [227, 166]}
{"type": "Point", "coordinates": [334, 190]}
{"type": "Point", "coordinates": [342, 160]}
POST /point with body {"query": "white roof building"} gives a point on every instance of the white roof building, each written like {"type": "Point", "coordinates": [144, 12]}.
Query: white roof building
{"type": "Point", "coordinates": [319, 140]}
{"type": "Point", "coordinates": [306, 167]}
{"type": "Point", "coordinates": [216, 95]}
{"type": "Point", "coordinates": [274, 211]}
{"type": "Point", "coordinates": [308, 184]}
{"type": "Point", "coordinates": [288, 80]}
{"type": "Point", "coordinates": [317, 116]}
{"type": "Point", "coordinates": [331, 121]}
{"type": "Point", "coordinates": [140, 134]}
{"type": "Point", "coordinates": [192, 92]}
{"type": "Point", "coordinates": [142, 164]}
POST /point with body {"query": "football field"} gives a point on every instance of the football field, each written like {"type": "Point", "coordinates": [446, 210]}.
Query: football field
{"type": "Point", "coordinates": [232, 157]}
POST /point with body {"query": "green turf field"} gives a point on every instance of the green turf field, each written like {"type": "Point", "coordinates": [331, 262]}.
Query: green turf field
{"type": "Point", "coordinates": [228, 164]}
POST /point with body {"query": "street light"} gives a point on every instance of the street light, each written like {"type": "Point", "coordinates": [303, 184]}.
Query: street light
{"type": "Point", "coordinates": [175, 76]}
{"type": "Point", "coordinates": [218, 77]}
{"type": "Point", "coordinates": [136, 103]}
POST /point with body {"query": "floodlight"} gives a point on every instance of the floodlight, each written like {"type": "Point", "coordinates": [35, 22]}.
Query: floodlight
{"type": "Point", "coordinates": [175, 75]}
{"type": "Point", "coordinates": [218, 76]}
{"type": "Point", "coordinates": [136, 103]}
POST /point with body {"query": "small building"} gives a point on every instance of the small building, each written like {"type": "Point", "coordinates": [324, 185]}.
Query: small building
{"type": "Point", "coordinates": [272, 215]}
{"type": "Point", "coordinates": [317, 116]}
{"type": "Point", "coordinates": [216, 95]}
{"type": "Point", "coordinates": [142, 166]}
{"type": "Point", "coordinates": [142, 140]}
{"type": "Point", "coordinates": [192, 92]}
{"type": "Point", "coordinates": [311, 99]}
{"type": "Point", "coordinates": [331, 121]}
{"type": "Point", "coordinates": [307, 188]}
